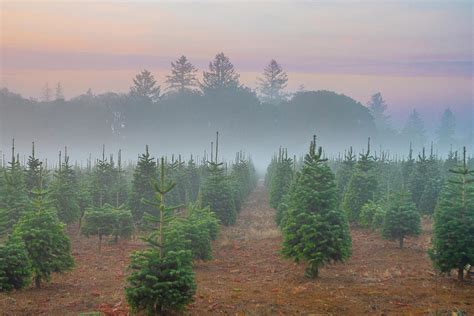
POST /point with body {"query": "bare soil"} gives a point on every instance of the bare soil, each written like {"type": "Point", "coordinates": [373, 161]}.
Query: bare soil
{"type": "Point", "coordinates": [248, 276]}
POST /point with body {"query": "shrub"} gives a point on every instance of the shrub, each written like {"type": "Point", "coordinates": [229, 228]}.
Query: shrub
{"type": "Point", "coordinates": [15, 266]}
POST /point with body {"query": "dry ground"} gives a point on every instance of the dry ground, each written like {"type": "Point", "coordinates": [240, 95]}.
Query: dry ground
{"type": "Point", "coordinates": [248, 277]}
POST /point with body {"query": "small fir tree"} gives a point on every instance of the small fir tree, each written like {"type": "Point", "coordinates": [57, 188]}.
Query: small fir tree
{"type": "Point", "coordinates": [48, 246]}
{"type": "Point", "coordinates": [401, 219]}
{"type": "Point", "coordinates": [216, 192]}
{"type": "Point", "coordinates": [281, 180]}
{"type": "Point", "coordinates": [107, 221]}
{"type": "Point", "coordinates": [32, 178]}
{"type": "Point", "coordinates": [14, 199]}
{"type": "Point", "coordinates": [453, 242]}
{"type": "Point", "coordinates": [344, 173]}
{"type": "Point", "coordinates": [161, 279]}
{"type": "Point", "coordinates": [362, 186]}
{"type": "Point", "coordinates": [144, 174]}
{"type": "Point", "coordinates": [64, 192]}
{"type": "Point", "coordinates": [315, 230]}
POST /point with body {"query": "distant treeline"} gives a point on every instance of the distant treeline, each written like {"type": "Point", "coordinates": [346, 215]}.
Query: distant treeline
{"type": "Point", "coordinates": [187, 112]}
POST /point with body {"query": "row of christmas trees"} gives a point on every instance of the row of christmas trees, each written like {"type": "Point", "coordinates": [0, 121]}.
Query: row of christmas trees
{"type": "Point", "coordinates": [109, 200]}
{"type": "Point", "coordinates": [316, 198]}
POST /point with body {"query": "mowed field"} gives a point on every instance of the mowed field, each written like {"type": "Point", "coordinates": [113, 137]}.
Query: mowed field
{"type": "Point", "coordinates": [249, 277]}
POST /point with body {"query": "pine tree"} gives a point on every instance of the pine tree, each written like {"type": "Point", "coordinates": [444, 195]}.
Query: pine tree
{"type": "Point", "coordinates": [272, 83]}
{"type": "Point", "coordinates": [424, 183]}
{"type": "Point", "coordinates": [433, 186]}
{"type": "Point", "coordinates": [194, 181]}
{"type": "Point", "coordinates": [183, 76]}
{"type": "Point", "coordinates": [216, 192]}
{"type": "Point", "coordinates": [161, 279]}
{"type": "Point", "coordinates": [107, 221]}
{"type": "Point", "coordinates": [453, 242]}
{"type": "Point", "coordinates": [64, 192]}
{"type": "Point", "coordinates": [401, 219]}
{"type": "Point", "coordinates": [315, 230]}
{"type": "Point", "coordinates": [32, 178]}
{"type": "Point", "coordinates": [362, 186]}
{"type": "Point", "coordinates": [407, 168]}
{"type": "Point", "coordinates": [13, 198]}
{"type": "Point", "coordinates": [281, 180]}
{"type": "Point", "coordinates": [144, 174]}
{"type": "Point", "coordinates": [221, 75]}
{"type": "Point", "coordinates": [344, 173]}
{"type": "Point", "coordinates": [120, 189]}
{"type": "Point", "coordinates": [144, 86]}
{"type": "Point", "coordinates": [105, 181]}
{"type": "Point", "coordinates": [47, 244]}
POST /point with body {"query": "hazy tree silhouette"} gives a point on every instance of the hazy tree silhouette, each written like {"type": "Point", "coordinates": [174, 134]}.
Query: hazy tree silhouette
{"type": "Point", "coordinates": [446, 129]}
{"type": "Point", "coordinates": [144, 86]}
{"type": "Point", "coordinates": [221, 75]}
{"type": "Point", "coordinates": [59, 94]}
{"type": "Point", "coordinates": [414, 129]}
{"type": "Point", "coordinates": [273, 81]}
{"type": "Point", "coordinates": [378, 106]}
{"type": "Point", "coordinates": [183, 75]}
{"type": "Point", "coordinates": [47, 93]}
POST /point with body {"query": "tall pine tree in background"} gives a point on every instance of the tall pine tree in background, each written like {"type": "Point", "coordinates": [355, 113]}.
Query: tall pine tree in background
{"type": "Point", "coordinates": [274, 79]}
{"type": "Point", "coordinates": [221, 75]}
{"type": "Point", "coordinates": [315, 230]}
{"type": "Point", "coordinates": [378, 107]}
{"type": "Point", "coordinates": [145, 87]}
{"type": "Point", "coordinates": [183, 76]}
{"type": "Point", "coordinates": [453, 242]}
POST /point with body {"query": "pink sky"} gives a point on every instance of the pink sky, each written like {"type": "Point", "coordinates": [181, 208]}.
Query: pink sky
{"type": "Point", "coordinates": [417, 53]}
